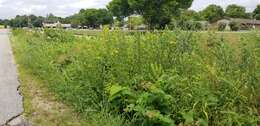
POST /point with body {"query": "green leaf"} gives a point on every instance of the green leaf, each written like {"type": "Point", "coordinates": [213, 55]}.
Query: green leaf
{"type": "Point", "coordinates": [203, 122]}
{"type": "Point", "coordinates": [188, 116]}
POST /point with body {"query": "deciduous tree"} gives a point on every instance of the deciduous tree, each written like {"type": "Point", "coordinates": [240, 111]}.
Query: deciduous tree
{"type": "Point", "coordinates": [257, 11]}
{"type": "Point", "coordinates": [213, 13]}
{"type": "Point", "coordinates": [156, 13]}
{"type": "Point", "coordinates": [236, 11]}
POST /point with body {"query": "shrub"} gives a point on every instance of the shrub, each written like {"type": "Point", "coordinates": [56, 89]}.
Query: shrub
{"type": "Point", "coordinates": [221, 26]}
{"type": "Point", "coordinates": [186, 25]}
{"type": "Point", "coordinates": [257, 16]}
{"type": "Point", "coordinates": [198, 26]}
{"type": "Point", "coordinates": [234, 26]}
{"type": "Point", "coordinates": [58, 35]}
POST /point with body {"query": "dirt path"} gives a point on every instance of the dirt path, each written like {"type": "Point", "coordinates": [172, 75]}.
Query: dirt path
{"type": "Point", "coordinates": [10, 99]}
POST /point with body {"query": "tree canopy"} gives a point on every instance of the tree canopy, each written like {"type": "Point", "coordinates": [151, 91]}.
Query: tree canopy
{"type": "Point", "coordinates": [257, 16]}
{"type": "Point", "coordinates": [236, 11]}
{"type": "Point", "coordinates": [187, 15]}
{"type": "Point", "coordinates": [31, 20]}
{"type": "Point", "coordinates": [92, 17]}
{"type": "Point", "coordinates": [19, 21]}
{"type": "Point", "coordinates": [156, 13]}
{"type": "Point", "coordinates": [213, 13]}
{"type": "Point", "coordinates": [120, 9]}
{"type": "Point", "coordinates": [257, 10]}
{"type": "Point", "coordinates": [135, 21]}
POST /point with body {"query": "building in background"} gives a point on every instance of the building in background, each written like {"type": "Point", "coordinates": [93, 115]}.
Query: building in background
{"type": "Point", "coordinates": [57, 24]}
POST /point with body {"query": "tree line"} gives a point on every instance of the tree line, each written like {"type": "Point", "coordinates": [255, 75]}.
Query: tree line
{"type": "Point", "coordinates": [155, 14]}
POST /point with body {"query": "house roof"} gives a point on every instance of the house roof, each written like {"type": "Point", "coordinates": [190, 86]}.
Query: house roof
{"type": "Point", "coordinates": [246, 21]}
{"type": "Point", "coordinates": [66, 25]}
{"type": "Point", "coordinates": [241, 20]}
{"type": "Point", "coordinates": [224, 21]}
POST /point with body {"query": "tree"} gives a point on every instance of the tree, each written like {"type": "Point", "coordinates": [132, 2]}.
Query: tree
{"type": "Point", "coordinates": [257, 16]}
{"type": "Point", "coordinates": [52, 18]}
{"type": "Point", "coordinates": [221, 26]}
{"type": "Point", "coordinates": [236, 11]}
{"type": "Point", "coordinates": [120, 9]}
{"type": "Point", "coordinates": [19, 21]}
{"type": "Point", "coordinates": [75, 20]}
{"type": "Point", "coordinates": [91, 18]}
{"type": "Point", "coordinates": [213, 13]}
{"type": "Point", "coordinates": [135, 21]}
{"type": "Point", "coordinates": [156, 13]}
{"type": "Point", "coordinates": [104, 17]}
{"type": "Point", "coordinates": [4, 22]}
{"type": "Point", "coordinates": [38, 21]}
{"type": "Point", "coordinates": [34, 21]}
{"type": "Point", "coordinates": [249, 15]}
{"type": "Point", "coordinates": [187, 15]}
{"type": "Point", "coordinates": [234, 26]}
{"type": "Point", "coordinates": [26, 21]}
{"type": "Point", "coordinates": [257, 10]}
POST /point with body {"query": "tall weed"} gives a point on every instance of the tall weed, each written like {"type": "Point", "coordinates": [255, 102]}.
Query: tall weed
{"type": "Point", "coordinates": [149, 79]}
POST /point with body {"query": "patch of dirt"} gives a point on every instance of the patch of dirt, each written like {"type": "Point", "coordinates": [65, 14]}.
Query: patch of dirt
{"type": "Point", "coordinates": [42, 107]}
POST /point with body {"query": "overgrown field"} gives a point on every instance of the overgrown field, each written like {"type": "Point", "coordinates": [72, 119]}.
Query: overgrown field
{"type": "Point", "coordinates": [152, 79]}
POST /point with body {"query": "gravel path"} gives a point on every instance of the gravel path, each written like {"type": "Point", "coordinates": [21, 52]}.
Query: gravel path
{"type": "Point", "coordinates": [10, 99]}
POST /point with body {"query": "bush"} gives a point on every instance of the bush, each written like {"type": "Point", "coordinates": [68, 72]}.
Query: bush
{"type": "Point", "coordinates": [234, 26]}
{"type": "Point", "coordinates": [186, 25]}
{"type": "Point", "coordinates": [198, 26]}
{"type": "Point", "coordinates": [257, 16]}
{"type": "Point", "coordinates": [58, 35]}
{"type": "Point", "coordinates": [221, 26]}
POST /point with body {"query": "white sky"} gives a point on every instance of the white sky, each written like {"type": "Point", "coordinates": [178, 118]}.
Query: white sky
{"type": "Point", "coordinates": [249, 4]}
{"type": "Point", "coordinates": [10, 8]}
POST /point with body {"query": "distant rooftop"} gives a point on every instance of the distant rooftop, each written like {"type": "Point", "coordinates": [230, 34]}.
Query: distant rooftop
{"type": "Point", "coordinates": [241, 20]}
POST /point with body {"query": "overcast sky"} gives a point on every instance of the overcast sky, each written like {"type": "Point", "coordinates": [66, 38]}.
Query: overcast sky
{"type": "Point", "coordinates": [10, 8]}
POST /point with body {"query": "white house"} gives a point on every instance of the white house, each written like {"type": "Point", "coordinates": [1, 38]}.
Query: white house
{"type": "Point", "coordinates": [56, 25]}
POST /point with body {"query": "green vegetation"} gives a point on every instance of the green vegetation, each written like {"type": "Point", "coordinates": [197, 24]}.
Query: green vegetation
{"type": "Point", "coordinates": [221, 26]}
{"type": "Point", "coordinates": [235, 11]}
{"type": "Point", "coordinates": [134, 22]}
{"type": "Point", "coordinates": [157, 14]}
{"type": "Point", "coordinates": [142, 13]}
{"type": "Point", "coordinates": [257, 16]}
{"type": "Point", "coordinates": [32, 20]}
{"type": "Point", "coordinates": [190, 15]}
{"type": "Point", "coordinates": [213, 13]}
{"type": "Point", "coordinates": [91, 18]}
{"type": "Point", "coordinates": [41, 107]}
{"type": "Point", "coordinates": [41, 92]}
{"type": "Point", "coordinates": [165, 78]}
{"type": "Point", "coordinates": [234, 26]}
{"type": "Point", "coordinates": [257, 10]}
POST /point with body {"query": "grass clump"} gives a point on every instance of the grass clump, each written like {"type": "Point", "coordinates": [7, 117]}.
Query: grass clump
{"type": "Point", "coordinates": [148, 79]}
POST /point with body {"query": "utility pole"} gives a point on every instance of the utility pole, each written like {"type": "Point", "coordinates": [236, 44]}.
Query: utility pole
{"type": "Point", "coordinates": [254, 23]}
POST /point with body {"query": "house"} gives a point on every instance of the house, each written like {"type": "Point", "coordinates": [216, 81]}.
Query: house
{"type": "Point", "coordinates": [66, 26]}
{"type": "Point", "coordinates": [248, 23]}
{"type": "Point", "coordinates": [141, 27]}
{"type": "Point", "coordinates": [56, 25]}
{"type": "Point", "coordinates": [224, 21]}
{"type": "Point", "coordinates": [49, 24]}
{"type": "Point", "coordinates": [245, 24]}
{"type": "Point", "coordinates": [204, 24]}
